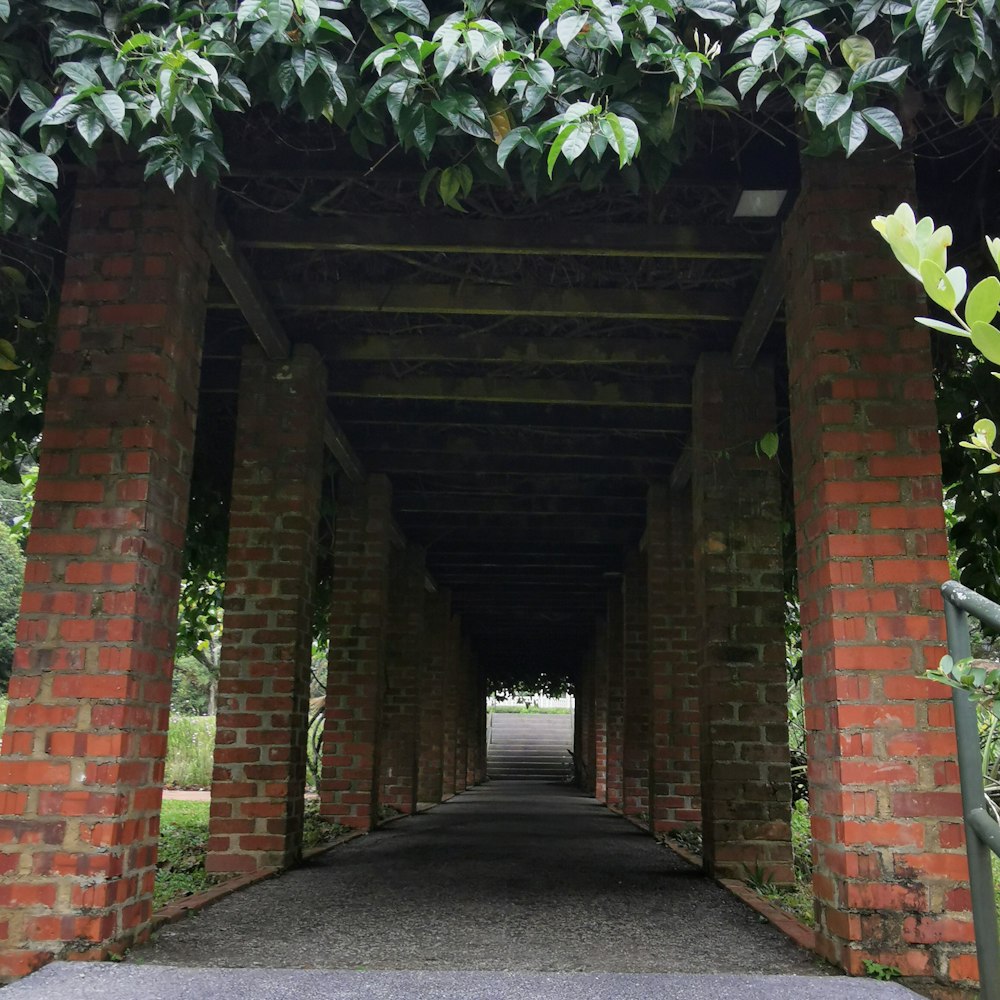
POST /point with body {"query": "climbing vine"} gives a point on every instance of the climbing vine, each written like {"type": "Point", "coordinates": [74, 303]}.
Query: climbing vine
{"type": "Point", "coordinates": [552, 90]}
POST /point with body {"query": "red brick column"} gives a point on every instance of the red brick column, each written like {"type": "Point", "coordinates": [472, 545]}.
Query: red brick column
{"type": "Point", "coordinates": [449, 723]}
{"type": "Point", "coordinates": [349, 787]}
{"type": "Point", "coordinates": [472, 719]}
{"type": "Point", "coordinates": [746, 795]}
{"type": "Point", "coordinates": [260, 765]}
{"type": "Point", "coordinates": [405, 673]}
{"type": "Point", "coordinates": [637, 693]}
{"type": "Point", "coordinates": [479, 712]}
{"type": "Point", "coordinates": [616, 699]}
{"type": "Point", "coordinates": [585, 715]}
{"type": "Point", "coordinates": [430, 771]}
{"type": "Point", "coordinates": [463, 670]}
{"type": "Point", "coordinates": [83, 750]}
{"type": "Point", "coordinates": [891, 871]}
{"type": "Point", "coordinates": [601, 709]}
{"type": "Point", "coordinates": [674, 778]}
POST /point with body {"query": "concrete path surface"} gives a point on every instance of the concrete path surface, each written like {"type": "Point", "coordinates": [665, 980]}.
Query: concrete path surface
{"type": "Point", "coordinates": [512, 890]}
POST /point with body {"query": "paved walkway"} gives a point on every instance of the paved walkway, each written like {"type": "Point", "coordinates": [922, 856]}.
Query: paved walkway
{"type": "Point", "coordinates": [510, 890]}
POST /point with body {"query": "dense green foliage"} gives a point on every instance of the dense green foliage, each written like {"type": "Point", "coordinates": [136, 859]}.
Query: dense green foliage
{"type": "Point", "coordinates": [567, 86]}
{"type": "Point", "coordinates": [11, 581]}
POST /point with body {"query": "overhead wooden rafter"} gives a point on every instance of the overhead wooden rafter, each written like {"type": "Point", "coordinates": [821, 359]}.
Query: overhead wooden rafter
{"type": "Point", "coordinates": [582, 238]}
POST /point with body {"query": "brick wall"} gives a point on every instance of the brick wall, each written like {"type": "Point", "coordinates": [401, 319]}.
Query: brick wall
{"type": "Point", "coordinates": [891, 873]}
{"type": "Point", "coordinates": [431, 764]}
{"type": "Point", "coordinates": [355, 687]}
{"type": "Point", "coordinates": [449, 735]}
{"type": "Point", "coordinates": [601, 708]}
{"type": "Point", "coordinates": [405, 676]}
{"type": "Point", "coordinates": [674, 771]}
{"type": "Point", "coordinates": [260, 765]}
{"type": "Point", "coordinates": [616, 699]}
{"type": "Point", "coordinates": [82, 759]}
{"type": "Point", "coordinates": [746, 795]}
{"type": "Point", "coordinates": [635, 778]}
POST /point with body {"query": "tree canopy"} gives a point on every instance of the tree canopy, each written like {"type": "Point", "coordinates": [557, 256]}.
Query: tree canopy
{"type": "Point", "coordinates": [563, 88]}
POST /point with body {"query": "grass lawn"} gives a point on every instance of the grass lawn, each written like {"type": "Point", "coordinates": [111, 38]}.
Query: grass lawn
{"type": "Point", "coordinates": [180, 870]}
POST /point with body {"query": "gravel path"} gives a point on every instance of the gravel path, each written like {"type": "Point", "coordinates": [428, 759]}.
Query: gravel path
{"type": "Point", "coordinates": [513, 877]}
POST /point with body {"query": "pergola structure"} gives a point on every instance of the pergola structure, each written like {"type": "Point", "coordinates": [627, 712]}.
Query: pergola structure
{"type": "Point", "coordinates": [543, 422]}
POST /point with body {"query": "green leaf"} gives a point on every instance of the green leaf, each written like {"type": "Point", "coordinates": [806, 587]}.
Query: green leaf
{"type": "Point", "coordinates": [721, 11]}
{"type": "Point", "coordinates": [111, 106]}
{"type": "Point", "coordinates": [137, 41]}
{"type": "Point", "coordinates": [75, 7]}
{"type": "Point", "coordinates": [41, 167]}
{"type": "Point", "coordinates": [864, 13]}
{"type": "Point", "coordinates": [831, 107]}
{"type": "Point", "coordinates": [985, 429]}
{"type": "Point", "coordinates": [90, 125]}
{"type": "Point", "coordinates": [571, 142]}
{"type": "Point", "coordinates": [857, 50]}
{"type": "Point", "coordinates": [768, 444]}
{"type": "Point", "coordinates": [885, 70]}
{"type": "Point", "coordinates": [983, 302]}
{"type": "Point", "coordinates": [925, 11]}
{"type": "Point", "coordinates": [885, 123]}
{"type": "Point", "coordinates": [986, 339]}
{"type": "Point", "coordinates": [853, 131]}
{"type": "Point", "coordinates": [279, 13]}
{"type": "Point", "coordinates": [415, 10]}
{"type": "Point", "coordinates": [569, 26]}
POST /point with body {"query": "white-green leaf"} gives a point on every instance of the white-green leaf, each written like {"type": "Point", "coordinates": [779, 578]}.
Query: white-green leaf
{"type": "Point", "coordinates": [885, 70]}
{"type": "Point", "coordinates": [853, 131]}
{"type": "Point", "coordinates": [986, 339]}
{"type": "Point", "coordinates": [763, 50]}
{"type": "Point", "coordinates": [39, 166]}
{"type": "Point", "coordinates": [937, 286]}
{"type": "Point", "coordinates": [90, 125]}
{"type": "Point", "coordinates": [983, 301]}
{"type": "Point", "coordinates": [857, 50]}
{"type": "Point", "coordinates": [831, 107]}
{"type": "Point", "coordinates": [941, 327]}
{"type": "Point", "coordinates": [569, 26]}
{"type": "Point", "coordinates": [925, 11]}
{"type": "Point", "coordinates": [111, 106]}
{"type": "Point", "coordinates": [415, 10]}
{"type": "Point", "coordinates": [885, 123]}
{"type": "Point", "coordinates": [986, 430]}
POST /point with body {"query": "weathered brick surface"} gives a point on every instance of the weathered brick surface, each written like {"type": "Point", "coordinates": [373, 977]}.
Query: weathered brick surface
{"type": "Point", "coordinates": [616, 699]}
{"type": "Point", "coordinates": [405, 677]}
{"type": "Point", "coordinates": [430, 772]}
{"type": "Point", "coordinates": [635, 765]}
{"type": "Point", "coordinates": [745, 788]}
{"type": "Point", "coordinates": [82, 763]}
{"type": "Point", "coordinates": [674, 770]}
{"type": "Point", "coordinates": [890, 877]}
{"type": "Point", "coordinates": [449, 734]}
{"type": "Point", "coordinates": [463, 679]}
{"type": "Point", "coordinates": [601, 709]}
{"type": "Point", "coordinates": [259, 775]}
{"type": "Point", "coordinates": [349, 786]}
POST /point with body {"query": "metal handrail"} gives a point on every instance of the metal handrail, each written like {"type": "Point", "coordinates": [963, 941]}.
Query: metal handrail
{"type": "Point", "coordinates": [982, 833]}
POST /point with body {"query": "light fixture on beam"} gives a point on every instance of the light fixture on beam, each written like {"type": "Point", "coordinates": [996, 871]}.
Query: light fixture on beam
{"type": "Point", "coordinates": [759, 203]}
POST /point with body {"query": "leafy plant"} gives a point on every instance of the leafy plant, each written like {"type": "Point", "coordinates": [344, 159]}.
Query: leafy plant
{"type": "Point", "coordinates": [876, 970]}
{"type": "Point", "coordinates": [565, 87]}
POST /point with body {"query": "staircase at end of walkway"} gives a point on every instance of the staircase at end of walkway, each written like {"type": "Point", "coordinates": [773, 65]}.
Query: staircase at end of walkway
{"type": "Point", "coordinates": [529, 747]}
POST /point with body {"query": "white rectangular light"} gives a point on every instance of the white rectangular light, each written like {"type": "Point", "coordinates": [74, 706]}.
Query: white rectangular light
{"type": "Point", "coordinates": [759, 204]}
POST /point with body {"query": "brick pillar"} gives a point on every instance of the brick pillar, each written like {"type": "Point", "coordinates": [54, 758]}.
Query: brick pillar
{"type": "Point", "coordinates": [637, 694]}
{"type": "Point", "coordinates": [472, 722]}
{"type": "Point", "coordinates": [585, 705]}
{"type": "Point", "coordinates": [405, 673]}
{"type": "Point", "coordinates": [431, 764]}
{"type": "Point", "coordinates": [349, 787]}
{"type": "Point", "coordinates": [82, 760]}
{"type": "Point", "coordinates": [746, 795]}
{"type": "Point", "coordinates": [674, 775]}
{"type": "Point", "coordinates": [449, 723]}
{"type": "Point", "coordinates": [616, 698]}
{"type": "Point", "coordinates": [890, 877]}
{"type": "Point", "coordinates": [480, 715]}
{"type": "Point", "coordinates": [462, 668]}
{"type": "Point", "coordinates": [260, 766]}
{"type": "Point", "coordinates": [601, 709]}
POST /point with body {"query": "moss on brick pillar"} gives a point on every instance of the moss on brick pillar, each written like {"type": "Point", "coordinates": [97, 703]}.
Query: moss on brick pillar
{"type": "Point", "coordinates": [83, 750]}
{"type": "Point", "coordinates": [405, 674]}
{"type": "Point", "coordinates": [886, 817]}
{"type": "Point", "coordinates": [616, 699]}
{"type": "Point", "coordinates": [745, 785]}
{"type": "Point", "coordinates": [260, 764]}
{"type": "Point", "coordinates": [635, 757]}
{"type": "Point", "coordinates": [349, 786]}
{"type": "Point", "coordinates": [674, 773]}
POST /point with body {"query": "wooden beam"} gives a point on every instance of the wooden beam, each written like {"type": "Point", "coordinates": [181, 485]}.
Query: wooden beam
{"type": "Point", "coordinates": [235, 270]}
{"type": "Point", "coordinates": [411, 233]}
{"type": "Point", "coordinates": [681, 475]}
{"type": "Point", "coordinates": [542, 505]}
{"type": "Point", "coordinates": [237, 274]}
{"type": "Point", "coordinates": [345, 456]}
{"type": "Point", "coordinates": [466, 299]}
{"type": "Point", "coordinates": [480, 348]}
{"type": "Point", "coordinates": [543, 466]}
{"type": "Point", "coordinates": [636, 393]}
{"type": "Point", "coordinates": [762, 311]}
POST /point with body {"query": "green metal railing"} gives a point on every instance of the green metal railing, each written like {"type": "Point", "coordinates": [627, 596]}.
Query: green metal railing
{"type": "Point", "coordinates": [982, 834]}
